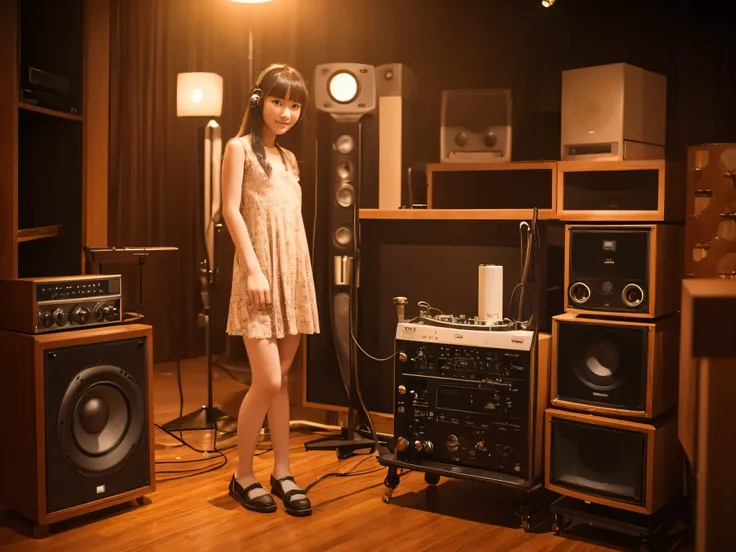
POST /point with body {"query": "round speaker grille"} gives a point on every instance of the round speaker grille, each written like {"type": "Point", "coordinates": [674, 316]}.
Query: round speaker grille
{"type": "Point", "coordinates": [101, 419]}
{"type": "Point", "coordinates": [598, 362]}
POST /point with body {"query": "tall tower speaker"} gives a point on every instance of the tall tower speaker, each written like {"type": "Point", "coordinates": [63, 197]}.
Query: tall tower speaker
{"type": "Point", "coordinates": [396, 89]}
{"type": "Point", "coordinates": [345, 97]}
{"type": "Point", "coordinates": [78, 412]}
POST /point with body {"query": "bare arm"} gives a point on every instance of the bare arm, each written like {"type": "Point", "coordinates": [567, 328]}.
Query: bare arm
{"type": "Point", "coordinates": [233, 166]}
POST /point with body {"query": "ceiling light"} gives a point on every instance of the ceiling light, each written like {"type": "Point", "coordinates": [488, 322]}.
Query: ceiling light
{"type": "Point", "coordinates": [547, 3]}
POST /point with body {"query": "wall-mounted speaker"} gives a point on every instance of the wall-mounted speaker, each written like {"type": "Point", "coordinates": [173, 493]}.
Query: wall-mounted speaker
{"type": "Point", "coordinates": [613, 112]}
{"type": "Point", "coordinates": [632, 270]}
{"type": "Point", "coordinates": [627, 465]}
{"type": "Point", "coordinates": [78, 407]}
{"type": "Point", "coordinates": [475, 126]}
{"type": "Point", "coordinates": [615, 367]}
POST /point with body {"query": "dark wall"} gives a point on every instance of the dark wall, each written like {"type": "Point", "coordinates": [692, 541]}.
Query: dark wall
{"type": "Point", "coordinates": [480, 43]}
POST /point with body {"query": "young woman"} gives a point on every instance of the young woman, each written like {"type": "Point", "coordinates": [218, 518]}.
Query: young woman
{"type": "Point", "coordinates": [272, 299]}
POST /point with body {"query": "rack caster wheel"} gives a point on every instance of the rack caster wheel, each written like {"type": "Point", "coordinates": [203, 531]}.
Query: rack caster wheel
{"type": "Point", "coordinates": [431, 478]}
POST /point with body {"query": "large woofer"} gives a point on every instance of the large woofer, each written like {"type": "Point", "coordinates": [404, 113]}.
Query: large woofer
{"type": "Point", "coordinates": [598, 364]}
{"type": "Point", "coordinates": [101, 419]}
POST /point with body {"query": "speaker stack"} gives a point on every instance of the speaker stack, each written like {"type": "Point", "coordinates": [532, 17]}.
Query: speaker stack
{"type": "Point", "coordinates": [76, 400]}
{"type": "Point", "coordinates": [611, 431]}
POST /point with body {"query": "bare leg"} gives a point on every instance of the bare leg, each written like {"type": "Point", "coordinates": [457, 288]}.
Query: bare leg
{"type": "Point", "coordinates": [263, 355]}
{"type": "Point", "coordinates": [278, 413]}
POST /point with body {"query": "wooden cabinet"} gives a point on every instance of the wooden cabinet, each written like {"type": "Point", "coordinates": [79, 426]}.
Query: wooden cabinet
{"type": "Point", "coordinates": [54, 123]}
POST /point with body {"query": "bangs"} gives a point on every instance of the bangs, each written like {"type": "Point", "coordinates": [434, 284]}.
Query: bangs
{"type": "Point", "coordinates": [288, 83]}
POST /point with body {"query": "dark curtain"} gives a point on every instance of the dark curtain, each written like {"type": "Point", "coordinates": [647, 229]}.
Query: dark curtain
{"type": "Point", "coordinates": [155, 176]}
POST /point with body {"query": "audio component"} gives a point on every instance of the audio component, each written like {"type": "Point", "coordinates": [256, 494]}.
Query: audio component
{"type": "Point", "coordinates": [470, 400]}
{"type": "Point", "coordinates": [615, 367]}
{"type": "Point", "coordinates": [49, 304]}
{"type": "Point", "coordinates": [623, 269]}
{"type": "Point", "coordinates": [613, 112]}
{"type": "Point", "coordinates": [710, 226]}
{"type": "Point", "coordinates": [475, 126]}
{"type": "Point", "coordinates": [632, 466]}
{"type": "Point", "coordinates": [396, 88]}
{"type": "Point", "coordinates": [79, 413]}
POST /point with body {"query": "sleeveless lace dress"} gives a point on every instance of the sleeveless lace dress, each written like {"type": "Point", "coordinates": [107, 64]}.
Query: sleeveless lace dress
{"type": "Point", "coordinates": [272, 211]}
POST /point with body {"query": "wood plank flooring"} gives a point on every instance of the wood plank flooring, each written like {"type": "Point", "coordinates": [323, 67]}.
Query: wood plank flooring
{"type": "Point", "coordinates": [197, 514]}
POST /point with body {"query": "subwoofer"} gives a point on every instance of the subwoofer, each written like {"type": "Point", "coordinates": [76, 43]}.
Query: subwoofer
{"type": "Point", "coordinates": [615, 367]}
{"type": "Point", "coordinates": [627, 465]}
{"type": "Point", "coordinates": [78, 418]}
{"type": "Point", "coordinates": [631, 270]}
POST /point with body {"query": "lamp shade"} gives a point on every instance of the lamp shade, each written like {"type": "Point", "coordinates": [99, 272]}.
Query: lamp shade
{"type": "Point", "coordinates": [198, 95]}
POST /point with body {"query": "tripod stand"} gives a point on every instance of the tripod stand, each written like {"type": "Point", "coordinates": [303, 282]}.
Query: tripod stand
{"type": "Point", "coordinates": [206, 417]}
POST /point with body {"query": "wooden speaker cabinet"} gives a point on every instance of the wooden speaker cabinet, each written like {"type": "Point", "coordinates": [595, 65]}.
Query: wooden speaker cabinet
{"type": "Point", "coordinates": [707, 410]}
{"type": "Point", "coordinates": [631, 466]}
{"type": "Point", "coordinates": [625, 368]}
{"type": "Point", "coordinates": [78, 411]}
{"type": "Point", "coordinates": [710, 226]}
{"type": "Point", "coordinates": [628, 270]}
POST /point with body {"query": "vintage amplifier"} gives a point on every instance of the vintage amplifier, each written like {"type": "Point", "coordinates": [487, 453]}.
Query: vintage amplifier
{"type": "Point", "coordinates": [48, 304]}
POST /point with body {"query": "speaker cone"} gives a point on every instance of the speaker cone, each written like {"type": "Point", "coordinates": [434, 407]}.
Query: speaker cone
{"type": "Point", "coordinates": [598, 365]}
{"type": "Point", "coordinates": [101, 419]}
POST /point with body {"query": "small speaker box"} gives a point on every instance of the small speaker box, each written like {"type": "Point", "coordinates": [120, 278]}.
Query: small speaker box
{"type": "Point", "coordinates": [631, 270]}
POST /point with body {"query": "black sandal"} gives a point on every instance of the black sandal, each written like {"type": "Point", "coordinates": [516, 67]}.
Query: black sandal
{"type": "Point", "coordinates": [300, 506]}
{"type": "Point", "coordinates": [264, 503]}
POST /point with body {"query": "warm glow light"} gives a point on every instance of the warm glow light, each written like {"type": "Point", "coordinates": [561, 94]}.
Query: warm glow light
{"type": "Point", "coordinates": [343, 87]}
{"type": "Point", "coordinates": [198, 95]}
{"type": "Point", "coordinates": [250, 1]}
{"type": "Point", "coordinates": [547, 3]}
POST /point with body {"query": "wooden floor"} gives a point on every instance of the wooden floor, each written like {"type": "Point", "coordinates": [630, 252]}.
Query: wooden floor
{"type": "Point", "coordinates": [349, 514]}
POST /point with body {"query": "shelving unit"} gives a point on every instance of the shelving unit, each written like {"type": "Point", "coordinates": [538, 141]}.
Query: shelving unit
{"type": "Point", "coordinates": [53, 156]}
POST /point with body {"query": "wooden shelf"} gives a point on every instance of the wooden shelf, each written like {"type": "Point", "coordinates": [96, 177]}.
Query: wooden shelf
{"type": "Point", "coordinates": [50, 112]}
{"type": "Point", "coordinates": [455, 214]}
{"type": "Point", "coordinates": [30, 234]}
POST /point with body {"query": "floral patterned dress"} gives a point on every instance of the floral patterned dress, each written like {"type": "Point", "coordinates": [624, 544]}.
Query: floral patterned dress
{"type": "Point", "coordinates": [272, 211]}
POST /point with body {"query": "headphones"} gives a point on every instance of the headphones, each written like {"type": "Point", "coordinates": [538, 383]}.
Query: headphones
{"type": "Point", "coordinates": [256, 97]}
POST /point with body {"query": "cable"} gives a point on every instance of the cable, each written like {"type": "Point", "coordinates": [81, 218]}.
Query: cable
{"type": "Point", "coordinates": [350, 473]}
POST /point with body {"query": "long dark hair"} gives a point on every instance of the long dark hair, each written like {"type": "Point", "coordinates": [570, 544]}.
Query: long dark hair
{"type": "Point", "coordinates": [278, 80]}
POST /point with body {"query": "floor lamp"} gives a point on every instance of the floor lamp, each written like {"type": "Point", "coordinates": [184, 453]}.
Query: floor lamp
{"type": "Point", "coordinates": [200, 95]}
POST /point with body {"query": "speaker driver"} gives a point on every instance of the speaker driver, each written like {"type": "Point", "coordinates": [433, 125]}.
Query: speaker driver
{"type": "Point", "coordinates": [598, 366]}
{"type": "Point", "coordinates": [101, 419]}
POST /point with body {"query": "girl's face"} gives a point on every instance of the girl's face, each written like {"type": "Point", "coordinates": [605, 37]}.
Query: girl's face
{"type": "Point", "coordinates": [280, 114]}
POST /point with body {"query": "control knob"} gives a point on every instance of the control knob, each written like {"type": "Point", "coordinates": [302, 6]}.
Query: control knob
{"type": "Point", "coordinates": [80, 314]}
{"type": "Point", "coordinates": [44, 319]}
{"type": "Point", "coordinates": [401, 444]}
{"type": "Point", "coordinates": [428, 446]}
{"type": "Point", "coordinates": [452, 442]}
{"type": "Point", "coordinates": [60, 317]}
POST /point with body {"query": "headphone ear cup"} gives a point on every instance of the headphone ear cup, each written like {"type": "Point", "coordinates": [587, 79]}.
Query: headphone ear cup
{"type": "Point", "coordinates": [255, 98]}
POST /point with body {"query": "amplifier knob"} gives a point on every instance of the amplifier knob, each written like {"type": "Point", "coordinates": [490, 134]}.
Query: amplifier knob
{"type": "Point", "coordinates": [403, 357]}
{"type": "Point", "coordinates": [401, 444]}
{"type": "Point", "coordinates": [44, 319]}
{"type": "Point", "coordinates": [402, 390]}
{"type": "Point", "coordinates": [452, 442]}
{"type": "Point", "coordinates": [418, 445]}
{"type": "Point", "coordinates": [80, 314]}
{"type": "Point", "coordinates": [60, 317]}
{"type": "Point", "coordinates": [428, 446]}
